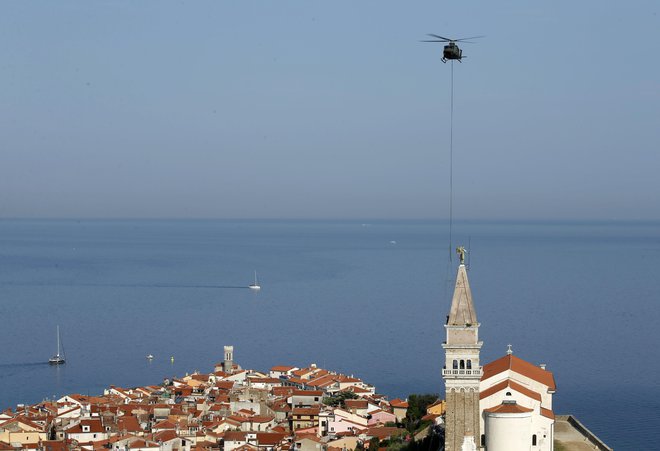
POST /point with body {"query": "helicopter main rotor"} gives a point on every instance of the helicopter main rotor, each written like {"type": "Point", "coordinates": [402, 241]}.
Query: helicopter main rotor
{"type": "Point", "coordinates": [443, 39]}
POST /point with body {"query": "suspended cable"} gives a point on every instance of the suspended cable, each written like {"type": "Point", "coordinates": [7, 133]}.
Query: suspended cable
{"type": "Point", "coordinates": [448, 279]}
{"type": "Point", "coordinates": [451, 163]}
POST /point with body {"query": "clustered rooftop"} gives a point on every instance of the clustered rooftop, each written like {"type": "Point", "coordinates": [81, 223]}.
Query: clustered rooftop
{"type": "Point", "coordinates": [226, 410]}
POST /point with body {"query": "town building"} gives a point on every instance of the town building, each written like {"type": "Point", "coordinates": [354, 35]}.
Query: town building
{"type": "Point", "coordinates": [229, 409]}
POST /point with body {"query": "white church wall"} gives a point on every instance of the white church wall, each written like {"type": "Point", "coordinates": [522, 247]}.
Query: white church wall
{"type": "Point", "coordinates": [508, 432]}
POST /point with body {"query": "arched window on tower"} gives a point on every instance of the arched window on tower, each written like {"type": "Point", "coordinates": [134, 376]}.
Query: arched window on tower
{"type": "Point", "coordinates": [534, 440]}
{"type": "Point", "coordinates": [469, 364]}
{"type": "Point", "coordinates": [455, 364]}
{"type": "Point", "coordinates": [462, 364]}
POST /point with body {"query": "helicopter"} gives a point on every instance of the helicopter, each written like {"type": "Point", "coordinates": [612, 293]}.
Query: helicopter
{"type": "Point", "coordinates": [451, 50]}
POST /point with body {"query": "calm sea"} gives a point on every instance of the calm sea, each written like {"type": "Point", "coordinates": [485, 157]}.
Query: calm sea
{"type": "Point", "coordinates": [365, 299]}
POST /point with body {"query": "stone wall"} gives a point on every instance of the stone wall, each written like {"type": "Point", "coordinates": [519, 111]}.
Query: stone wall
{"type": "Point", "coordinates": [462, 418]}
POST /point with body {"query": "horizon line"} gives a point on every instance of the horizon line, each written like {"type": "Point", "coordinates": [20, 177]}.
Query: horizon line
{"type": "Point", "coordinates": [345, 219]}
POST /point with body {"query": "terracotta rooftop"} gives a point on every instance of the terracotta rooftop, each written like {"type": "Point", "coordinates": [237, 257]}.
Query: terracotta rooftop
{"type": "Point", "coordinates": [165, 436]}
{"type": "Point", "coordinates": [312, 437]}
{"type": "Point", "coordinates": [430, 417]}
{"type": "Point", "coordinates": [129, 423]}
{"type": "Point", "coordinates": [356, 389]}
{"type": "Point", "coordinates": [261, 419]}
{"type": "Point", "coordinates": [307, 393]}
{"type": "Point", "coordinates": [165, 424]}
{"type": "Point", "coordinates": [508, 408]}
{"type": "Point", "coordinates": [399, 403]}
{"type": "Point", "coordinates": [356, 403]}
{"type": "Point", "coordinates": [282, 368]}
{"type": "Point", "coordinates": [269, 438]}
{"type": "Point", "coordinates": [518, 365]}
{"type": "Point", "coordinates": [548, 413]}
{"type": "Point", "coordinates": [510, 384]}
{"type": "Point", "coordinates": [305, 411]}
{"type": "Point", "coordinates": [23, 420]}
{"type": "Point", "coordinates": [235, 436]}
{"type": "Point", "coordinates": [93, 424]}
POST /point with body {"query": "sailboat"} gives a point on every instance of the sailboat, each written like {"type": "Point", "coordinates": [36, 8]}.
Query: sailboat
{"type": "Point", "coordinates": [255, 285]}
{"type": "Point", "coordinates": [58, 359]}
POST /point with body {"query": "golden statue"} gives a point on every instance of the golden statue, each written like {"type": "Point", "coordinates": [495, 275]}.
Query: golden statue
{"type": "Point", "coordinates": [460, 250]}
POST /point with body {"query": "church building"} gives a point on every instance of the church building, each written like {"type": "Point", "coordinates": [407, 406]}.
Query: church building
{"type": "Point", "coordinates": [506, 405]}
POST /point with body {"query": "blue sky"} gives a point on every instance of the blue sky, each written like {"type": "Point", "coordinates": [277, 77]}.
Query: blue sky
{"type": "Point", "coordinates": [307, 109]}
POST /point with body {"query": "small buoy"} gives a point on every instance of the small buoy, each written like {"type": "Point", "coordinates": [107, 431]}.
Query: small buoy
{"type": "Point", "coordinates": [172, 359]}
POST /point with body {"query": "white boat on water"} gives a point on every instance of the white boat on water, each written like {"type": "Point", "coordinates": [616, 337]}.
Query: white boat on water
{"type": "Point", "coordinates": [255, 285]}
{"type": "Point", "coordinates": [59, 358]}
{"type": "Point", "coordinates": [150, 357]}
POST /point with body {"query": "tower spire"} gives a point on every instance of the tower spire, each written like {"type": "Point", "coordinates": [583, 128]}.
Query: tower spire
{"type": "Point", "coordinates": [462, 307]}
{"type": "Point", "coordinates": [462, 371]}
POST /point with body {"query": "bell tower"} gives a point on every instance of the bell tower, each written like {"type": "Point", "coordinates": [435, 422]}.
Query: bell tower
{"type": "Point", "coordinates": [228, 363]}
{"type": "Point", "coordinates": [462, 370]}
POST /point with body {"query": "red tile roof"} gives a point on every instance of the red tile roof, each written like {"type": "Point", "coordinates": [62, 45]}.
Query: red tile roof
{"type": "Point", "coordinates": [548, 413]}
{"type": "Point", "coordinates": [282, 368]}
{"type": "Point", "coordinates": [53, 445]}
{"type": "Point", "coordinates": [25, 421]}
{"type": "Point", "coordinates": [269, 438]}
{"type": "Point", "coordinates": [246, 447]}
{"type": "Point", "coordinates": [430, 417]}
{"type": "Point", "coordinates": [235, 436]}
{"type": "Point", "coordinates": [264, 380]}
{"type": "Point", "coordinates": [261, 419]}
{"type": "Point", "coordinates": [166, 424]}
{"type": "Point", "coordinates": [307, 393]}
{"type": "Point", "coordinates": [355, 389]}
{"type": "Point", "coordinates": [311, 437]}
{"type": "Point", "coordinates": [508, 408]}
{"type": "Point", "coordinates": [304, 371]}
{"type": "Point", "coordinates": [165, 436]}
{"type": "Point", "coordinates": [283, 391]}
{"type": "Point", "coordinates": [129, 424]}
{"type": "Point", "coordinates": [305, 411]}
{"type": "Point", "coordinates": [515, 386]}
{"type": "Point", "coordinates": [94, 427]}
{"type": "Point", "coordinates": [518, 365]}
{"type": "Point", "coordinates": [399, 403]}
{"type": "Point", "coordinates": [323, 381]}
{"type": "Point", "coordinates": [343, 378]}
{"type": "Point", "coordinates": [356, 404]}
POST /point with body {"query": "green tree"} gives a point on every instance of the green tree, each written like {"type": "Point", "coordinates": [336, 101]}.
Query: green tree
{"type": "Point", "coordinates": [339, 399]}
{"type": "Point", "coordinates": [417, 405]}
{"type": "Point", "coordinates": [430, 442]}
